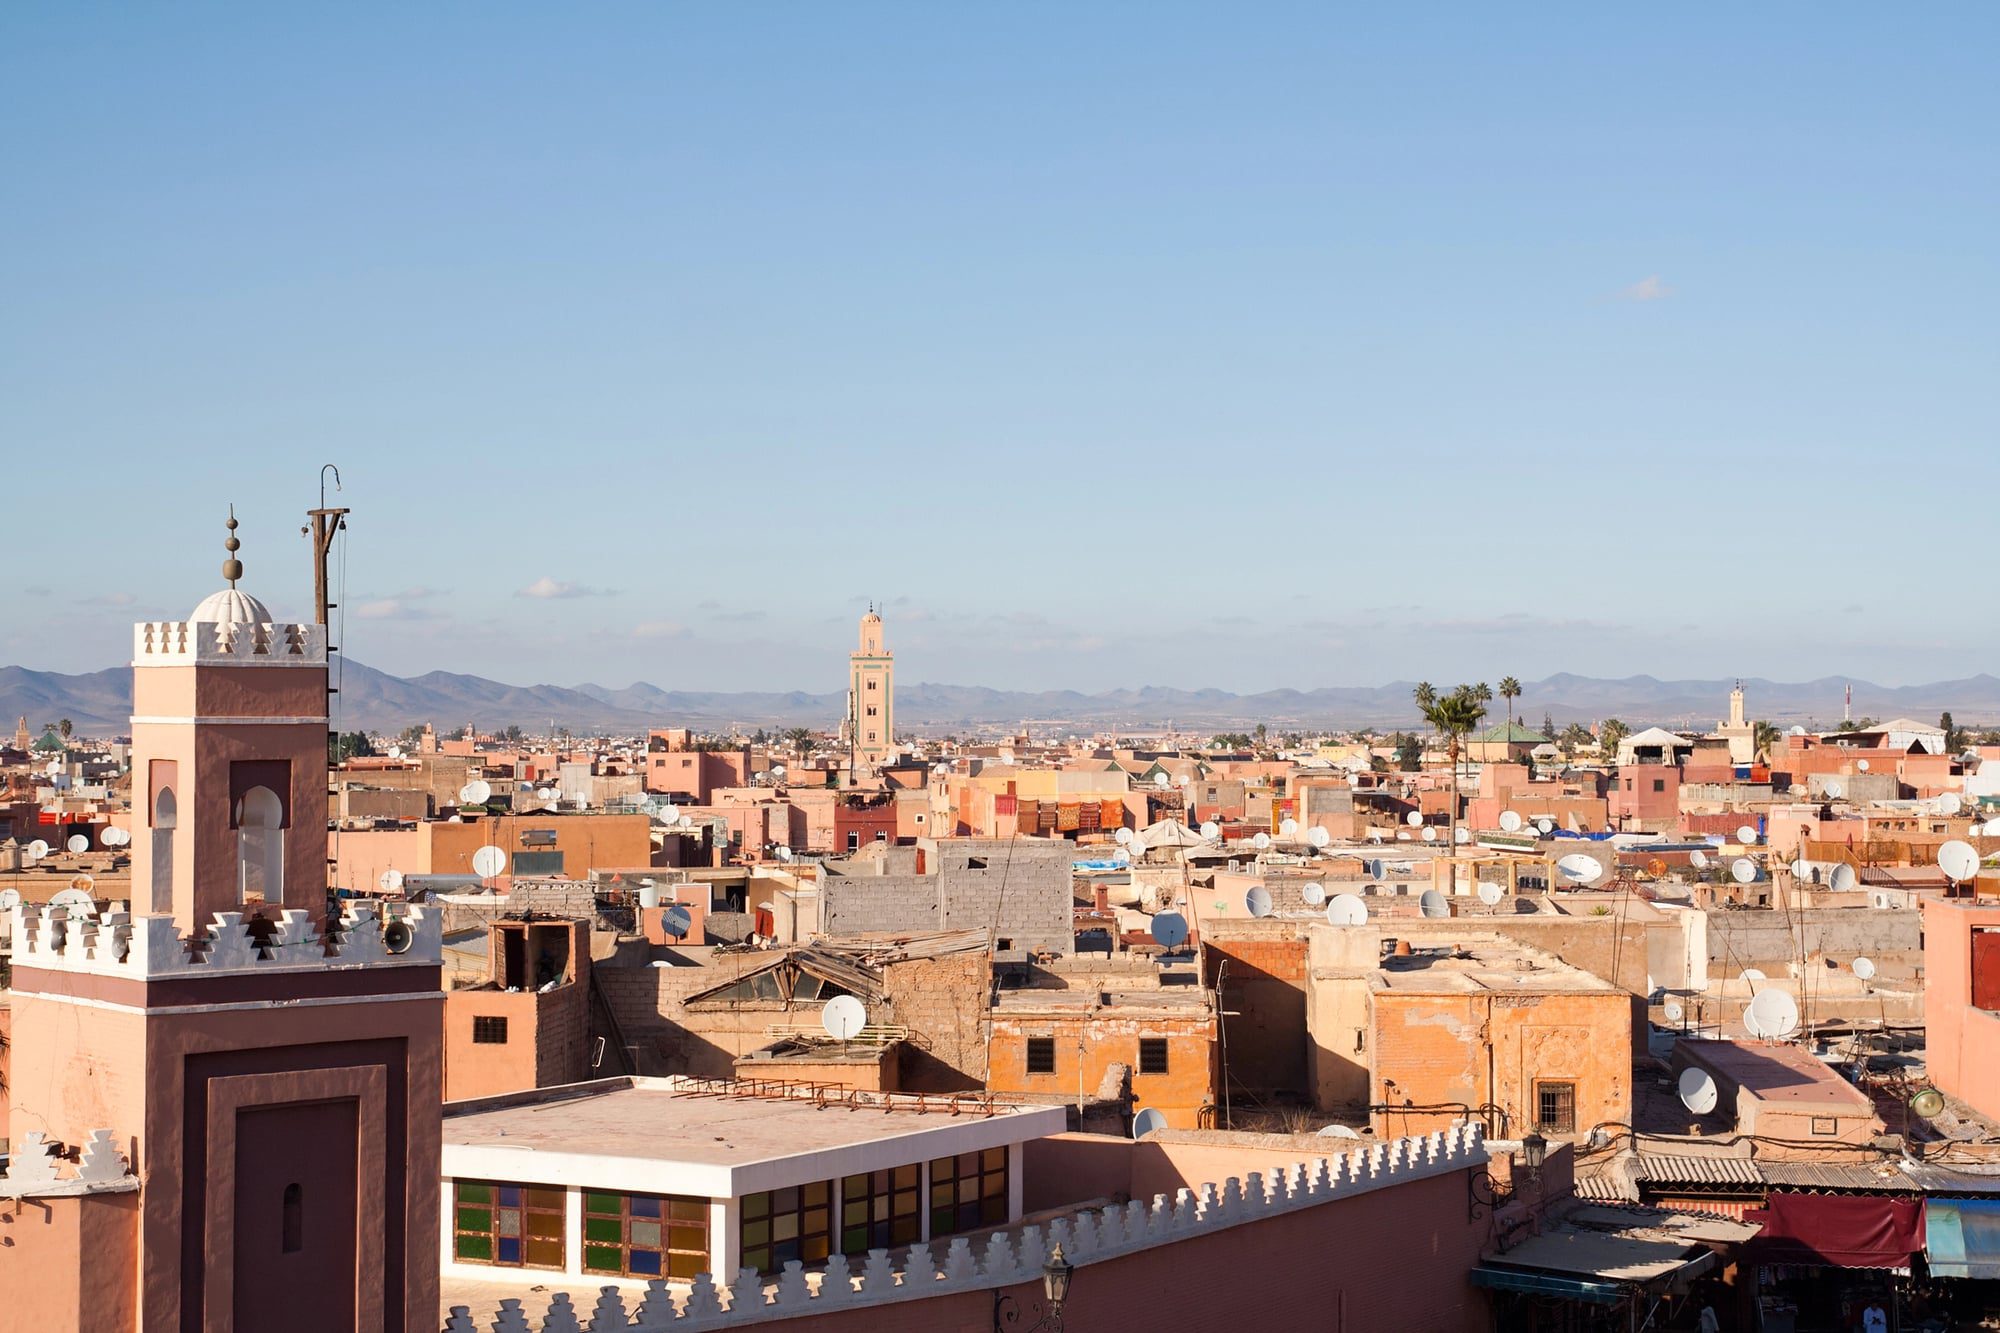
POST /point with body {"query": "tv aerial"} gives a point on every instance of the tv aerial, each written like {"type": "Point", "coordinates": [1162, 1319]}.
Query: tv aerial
{"type": "Point", "coordinates": [1698, 859]}
{"type": "Point", "coordinates": [1674, 1011]}
{"type": "Point", "coordinates": [1834, 789]}
{"type": "Point", "coordinates": [1698, 1091]}
{"type": "Point", "coordinates": [843, 1016]}
{"type": "Point", "coordinates": [1210, 830]}
{"type": "Point", "coordinates": [476, 792]}
{"type": "Point", "coordinates": [1261, 842]}
{"type": "Point", "coordinates": [1861, 765]}
{"type": "Point", "coordinates": [1288, 828]}
{"type": "Point", "coordinates": [677, 921]}
{"type": "Point", "coordinates": [1461, 835]}
{"type": "Point", "coordinates": [1430, 833]}
{"type": "Point", "coordinates": [73, 900]}
{"type": "Point", "coordinates": [1345, 909]}
{"type": "Point", "coordinates": [1545, 826]}
{"type": "Point", "coordinates": [113, 836]}
{"type": "Point", "coordinates": [1926, 1103]}
{"type": "Point", "coordinates": [1949, 804]}
{"type": "Point", "coordinates": [1752, 975]}
{"type": "Point", "coordinates": [1337, 1132]}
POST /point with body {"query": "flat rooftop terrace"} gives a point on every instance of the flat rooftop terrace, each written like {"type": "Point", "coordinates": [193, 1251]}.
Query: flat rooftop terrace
{"type": "Point", "coordinates": [1778, 1074]}
{"type": "Point", "coordinates": [1482, 964]}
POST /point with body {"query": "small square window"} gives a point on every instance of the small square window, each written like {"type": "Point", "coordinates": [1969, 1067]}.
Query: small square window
{"type": "Point", "coordinates": [1659, 784]}
{"type": "Point", "coordinates": [1041, 1055]}
{"type": "Point", "coordinates": [1555, 1107]}
{"type": "Point", "coordinates": [489, 1032]}
{"type": "Point", "coordinates": [1152, 1055]}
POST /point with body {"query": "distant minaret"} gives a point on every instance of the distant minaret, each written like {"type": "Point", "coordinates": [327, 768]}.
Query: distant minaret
{"type": "Point", "coordinates": [1847, 709]}
{"type": "Point", "coordinates": [871, 698]}
{"type": "Point", "coordinates": [1736, 705]}
{"type": "Point", "coordinates": [22, 740]}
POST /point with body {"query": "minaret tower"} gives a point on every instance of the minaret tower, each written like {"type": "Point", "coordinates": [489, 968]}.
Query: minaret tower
{"type": "Point", "coordinates": [271, 1074]}
{"type": "Point", "coordinates": [871, 698]}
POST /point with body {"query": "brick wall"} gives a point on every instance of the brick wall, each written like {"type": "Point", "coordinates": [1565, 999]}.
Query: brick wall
{"type": "Point", "coordinates": [942, 1001]}
{"type": "Point", "coordinates": [1263, 996]}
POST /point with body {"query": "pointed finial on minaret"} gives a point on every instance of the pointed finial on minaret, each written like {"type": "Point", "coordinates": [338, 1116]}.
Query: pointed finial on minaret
{"type": "Point", "coordinates": [232, 568]}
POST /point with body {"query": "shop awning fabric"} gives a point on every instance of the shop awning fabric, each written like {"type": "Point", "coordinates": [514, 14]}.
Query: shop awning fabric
{"type": "Point", "coordinates": [1838, 1230]}
{"type": "Point", "coordinates": [1962, 1237]}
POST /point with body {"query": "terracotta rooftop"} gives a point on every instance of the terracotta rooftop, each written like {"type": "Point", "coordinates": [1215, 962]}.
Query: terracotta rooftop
{"type": "Point", "coordinates": [1776, 1073]}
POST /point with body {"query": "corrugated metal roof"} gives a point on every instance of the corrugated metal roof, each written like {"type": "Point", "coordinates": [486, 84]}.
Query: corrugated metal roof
{"type": "Point", "coordinates": [1875, 1177]}
{"type": "Point", "coordinates": [1606, 1187]}
{"type": "Point", "coordinates": [1935, 1179]}
{"type": "Point", "coordinates": [1676, 1169]}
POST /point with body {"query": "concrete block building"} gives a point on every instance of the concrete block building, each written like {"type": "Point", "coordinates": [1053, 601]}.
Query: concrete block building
{"type": "Point", "coordinates": [1018, 888]}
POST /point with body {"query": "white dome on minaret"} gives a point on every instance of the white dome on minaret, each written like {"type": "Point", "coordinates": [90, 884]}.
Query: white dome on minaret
{"type": "Point", "coordinates": [231, 605]}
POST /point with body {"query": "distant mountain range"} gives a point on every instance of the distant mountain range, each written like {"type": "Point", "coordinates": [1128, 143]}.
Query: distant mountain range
{"type": "Point", "coordinates": [99, 703]}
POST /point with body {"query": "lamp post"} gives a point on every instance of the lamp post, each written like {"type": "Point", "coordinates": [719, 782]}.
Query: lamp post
{"type": "Point", "coordinates": [1482, 1192]}
{"type": "Point", "coordinates": [1008, 1314]}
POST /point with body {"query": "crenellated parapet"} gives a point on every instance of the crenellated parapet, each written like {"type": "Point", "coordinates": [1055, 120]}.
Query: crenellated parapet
{"type": "Point", "coordinates": [114, 943]}
{"type": "Point", "coordinates": [183, 642]}
{"type": "Point", "coordinates": [36, 1171]}
{"type": "Point", "coordinates": [1002, 1259]}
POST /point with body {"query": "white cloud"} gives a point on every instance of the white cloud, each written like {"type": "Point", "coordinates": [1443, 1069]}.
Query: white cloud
{"type": "Point", "coordinates": [660, 629]}
{"type": "Point", "coordinates": [394, 608]}
{"type": "Point", "coordinates": [113, 599]}
{"type": "Point", "coordinates": [548, 587]}
{"type": "Point", "coordinates": [1653, 288]}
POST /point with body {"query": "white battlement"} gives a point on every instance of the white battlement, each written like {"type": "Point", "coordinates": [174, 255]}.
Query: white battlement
{"type": "Point", "coordinates": [1086, 1238]}
{"type": "Point", "coordinates": [114, 943]}
{"type": "Point", "coordinates": [275, 643]}
{"type": "Point", "coordinates": [35, 1172]}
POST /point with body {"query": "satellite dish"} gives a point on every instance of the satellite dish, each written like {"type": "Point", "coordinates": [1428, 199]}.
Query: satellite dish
{"type": "Point", "coordinates": [1261, 841]}
{"type": "Point", "coordinates": [77, 843]}
{"type": "Point", "coordinates": [488, 861]}
{"type": "Point", "coordinates": [1432, 903]}
{"type": "Point", "coordinates": [1746, 834]}
{"type": "Point", "coordinates": [476, 792]}
{"type": "Point", "coordinates": [1842, 879]}
{"type": "Point", "coordinates": [82, 883]}
{"type": "Point", "coordinates": [1461, 835]}
{"type": "Point", "coordinates": [1148, 1121]}
{"type": "Point", "coordinates": [1698, 1091]}
{"type": "Point", "coordinates": [1490, 893]}
{"type": "Point", "coordinates": [1257, 901]}
{"type": "Point", "coordinates": [677, 921]}
{"type": "Point", "coordinates": [1510, 821]}
{"type": "Point", "coordinates": [1344, 909]}
{"type": "Point", "coordinates": [1318, 836]}
{"type": "Point", "coordinates": [1800, 870]}
{"type": "Point", "coordinates": [843, 1016]}
{"type": "Point", "coordinates": [1833, 789]}
{"type": "Point", "coordinates": [1374, 868]}
{"type": "Point", "coordinates": [1170, 930]}
{"type": "Point", "coordinates": [1864, 967]}
{"type": "Point", "coordinates": [1772, 1014]}
{"type": "Point", "coordinates": [1753, 974]}
{"type": "Point", "coordinates": [1430, 833]}
{"type": "Point", "coordinates": [1861, 765]}
{"type": "Point", "coordinates": [1958, 860]}
{"type": "Point", "coordinates": [1288, 828]}
{"type": "Point", "coordinates": [1123, 837]}
{"type": "Point", "coordinates": [1948, 803]}
{"type": "Point", "coordinates": [1545, 825]}
{"type": "Point", "coordinates": [1797, 730]}
{"type": "Point", "coordinates": [9, 899]}
{"type": "Point", "coordinates": [669, 813]}
{"type": "Point", "coordinates": [1211, 830]}
{"type": "Point", "coordinates": [1580, 869]}
{"type": "Point", "coordinates": [1743, 870]}
{"type": "Point", "coordinates": [114, 837]}
{"type": "Point", "coordinates": [683, 823]}
{"type": "Point", "coordinates": [73, 900]}
{"type": "Point", "coordinates": [1162, 780]}
{"type": "Point", "coordinates": [1313, 894]}
{"type": "Point", "coordinates": [1338, 1132]}
{"type": "Point", "coordinates": [1122, 857]}
{"type": "Point", "coordinates": [1402, 835]}
{"type": "Point", "coordinates": [1674, 1011]}
{"type": "Point", "coordinates": [1414, 818]}
{"type": "Point", "coordinates": [1698, 859]}
{"type": "Point", "coordinates": [777, 770]}
{"type": "Point", "coordinates": [1926, 1104]}
{"type": "Point", "coordinates": [391, 881]}
{"type": "Point", "coordinates": [784, 853]}
{"type": "Point", "coordinates": [1374, 835]}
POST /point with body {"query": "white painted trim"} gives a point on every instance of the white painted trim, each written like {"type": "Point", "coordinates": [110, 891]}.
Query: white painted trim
{"type": "Point", "coordinates": [313, 1002]}
{"type": "Point", "coordinates": [288, 721]}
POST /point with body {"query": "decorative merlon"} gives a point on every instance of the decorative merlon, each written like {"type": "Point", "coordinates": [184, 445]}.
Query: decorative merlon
{"type": "Point", "coordinates": [1002, 1260]}
{"type": "Point", "coordinates": [35, 1172]}
{"type": "Point", "coordinates": [114, 943]}
{"type": "Point", "coordinates": [174, 642]}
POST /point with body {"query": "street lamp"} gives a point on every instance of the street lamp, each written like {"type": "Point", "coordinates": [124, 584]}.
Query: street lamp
{"type": "Point", "coordinates": [1008, 1314]}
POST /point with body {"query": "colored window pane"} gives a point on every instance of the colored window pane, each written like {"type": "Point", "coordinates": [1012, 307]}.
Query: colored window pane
{"type": "Point", "coordinates": [610, 1229]}
{"type": "Point", "coordinates": [485, 1234]}
{"type": "Point", "coordinates": [601, 1259]}
{"type": "Point", "coordinates": [474, 1192]}
{"type": "Point", "coordinates": [627, 1234]}
{"type": "Point", "coordinates": [786, 1224]}
{"type": "Point", "coordinates": [968, 1191]}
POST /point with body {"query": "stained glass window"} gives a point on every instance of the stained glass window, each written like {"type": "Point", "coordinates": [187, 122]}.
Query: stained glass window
{"type": "Point", "coordinates": [879, 1209]}
{"type": "Point", "coordinates": [782, 1225]}
{"type": "Point", "coordinates": [645, 1235]}
{"type": "Point", "coordinates": [968, 1191]}
{"type": "Point", "coordinates": [512, 1226]}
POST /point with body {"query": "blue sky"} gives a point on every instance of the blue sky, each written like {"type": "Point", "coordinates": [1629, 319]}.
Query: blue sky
{"type": "Point", "coordinates": [1106, 344]}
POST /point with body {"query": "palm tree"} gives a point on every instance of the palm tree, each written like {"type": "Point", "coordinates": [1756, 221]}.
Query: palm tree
{"type": "Point", "coordinates": [1763, 736]}
{"type": "Point", "coordinates": [1454, 715]}
{"type": "Point", "coordinates": [1510, 690]}
{"type": "Point", "coordinates": [800, 739]}
{"type": "Point", "coordinates": [1424, 695]}
{"type": "Point", "coordinates": [66, 727]}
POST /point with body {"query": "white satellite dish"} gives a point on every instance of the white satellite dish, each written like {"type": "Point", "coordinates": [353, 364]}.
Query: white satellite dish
{"type": "Point", "coordinates": [1162, 780]}
{"type": "Point", "coordinates": [1430, 833]}
{"type": "Point", "coordinates": [777, 771]}
{"type": "Point", "coordinates": [1698, 859]}
{"type": "Point", "coordinates": [1170, 930]}
{"type": "Point", "coordinates": [1861, 765]}
{"type": "Point", "coordinates": [1257, 901]}
{"type": "Point", "coordinates": [1510, 821]}
{"type": "Point", "coordinates": [1344, 909]}
{"type": "Point", "coordinates": [1461, 835]}
{"type": "Point", "coordinates": [77, 843]}
{"type": "Point", "coordinates": [476, 792]}
{"type": "Point", "coordinates": [1402, 835]}
{"type": "Point", "coordinates": [683, 823]}
{"type": "Point", "coordinates": [73, 900]}
{"type": "Point", "coordinates": [1121, 856]}
{"type": "Point", "coordinates": [1261, 842]}
{"type": "Point", "coordinates": [1772, 1014]}
{"type": "Point", "coordinates": [1698, 1091]}
{"type": "Point", "coordinates": [1545, 825]}
{"type": "Point", "coordinates": [1374, 835]}
{"type": "Point", "coordinates": [1338, 1132]}
{"type": "Point", "coordinates": [1743, 870]}
{"type": "Point", "coordinates": [1797, 730]}
{"type": "Point", "coordinates": [669, 813]}
{"type": "Point", "coordinates": [843, 1016]}
{"type": "Point", "coordinates": [1432, 903]}
{"type": "Point", "coordinates": [1210, 830]}
{"type": "Point", "coordinates": [1753, 974]}
{"type": "Point", "coordinates": [1490, 893]}
{"type": "Point", "coordinates": [391, 881]}
{"type": "Point", "coordinates": [1746, 834]}
{"type": "Point", "coordinates": [1579, 868]}
{"type": "Point", "coordinates": [53, 767]}
{"type": "Point", "coordinates": [784, 852]}
{"type": "Point", "coordinates": [488, 861]}
{"type": "Point", "coordinates": [113, 836]}
{"type": "Point", "coordinates": [1674, 1011]}
{"type": "Point", "coordinates": [1318, 836]}
{"type": "Point", "coordinates": [1800, 870]}
{"type": "Point", "coordinates": [1288, 828]}
{"type": "Point", "coordinates": [1123, 837]}
{"type": "Point", "coordinates": [1842, 879]}
{"type": "Point", "coordinates": [1833, 789]}
{"type": "Point", "coordinates": [9, 899]}
{"type": "Point", "coordinates": [1148, 1121]}
{"type": "Point", "coordinates": [1864, 967]}
{"type": "Point", "coordinates": [1959, 860]}
{"type": "Point", "coordinates": [1949, 804]}
{"type": "Point", "coordinates": [1313, 894]}
{"type": "Point", "coordinates": [1414, 818]}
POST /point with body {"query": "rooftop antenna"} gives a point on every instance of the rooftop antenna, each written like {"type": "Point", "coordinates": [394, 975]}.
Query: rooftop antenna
{"type": "Point", "coordinates": [326, 523]}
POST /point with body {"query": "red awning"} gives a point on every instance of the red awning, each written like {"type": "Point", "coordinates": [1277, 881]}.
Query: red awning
{"type": "Point", "coordinates": [1838, 1230]}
